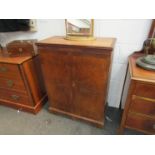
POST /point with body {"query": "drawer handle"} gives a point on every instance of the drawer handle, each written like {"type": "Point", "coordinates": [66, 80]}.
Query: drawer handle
{"type": "Point", "coordinates": [15, 97]}
{"type": "Point", "coordinates": [3, 69]}
{"type": "Point", "coordinates": [153, 126]}
{"type": "Point", "coordinates": [10, 83]}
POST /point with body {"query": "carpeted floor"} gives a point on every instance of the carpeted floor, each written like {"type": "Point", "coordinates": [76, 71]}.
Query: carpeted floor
{"type": "Point", "coordinates": [14, 122]}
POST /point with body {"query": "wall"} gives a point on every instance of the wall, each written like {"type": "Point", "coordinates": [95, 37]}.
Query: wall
{"type": "Point", "coordinates": [130, 35]}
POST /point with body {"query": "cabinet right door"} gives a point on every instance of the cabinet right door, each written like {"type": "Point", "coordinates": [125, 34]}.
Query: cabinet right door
{"type": "Point", "coordinates": [89, 84]}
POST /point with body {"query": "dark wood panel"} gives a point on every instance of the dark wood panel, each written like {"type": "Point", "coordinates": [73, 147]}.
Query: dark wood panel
{"type": "Point", "coordinates": [141, 123]}
{"type": "Point", "coordinates": [143, 106]}
{"type": "Point", "coordinates": [145, 90]}
{"type": "Point", "coordinates": [76, 77]}
{"type": "Point", "coordinates": [14, 96]}
{"type": "Point", "coordinates": [9, 71]}
{"type": "Point", "coordinates": [89, 81]}
{"type": "Point", "coordinates": [12, 84]}
{"type": "Point", "coordinates": [56, 71]}
{"type": "Point", "coordinates": [33, 75]}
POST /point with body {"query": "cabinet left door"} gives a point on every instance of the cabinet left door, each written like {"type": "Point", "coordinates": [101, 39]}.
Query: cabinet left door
{"type": "Point", "coordinates": [57, 76]}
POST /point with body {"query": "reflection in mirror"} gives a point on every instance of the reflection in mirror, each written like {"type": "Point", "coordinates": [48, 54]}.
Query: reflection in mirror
{"type": "Point", "coordinates": [78, 29]}
{"type": "Point", "coordinates": [78, 26]}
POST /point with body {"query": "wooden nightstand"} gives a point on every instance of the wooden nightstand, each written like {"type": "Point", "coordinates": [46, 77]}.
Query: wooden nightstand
{"type": "Point", "coordinates": [139, 98]}
{"type": "Point", "coordinates": [21, 83]}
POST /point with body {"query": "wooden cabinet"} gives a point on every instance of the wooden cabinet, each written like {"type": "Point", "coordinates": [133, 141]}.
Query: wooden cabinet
{"type": "Point", "coordinates": [139, 112]}
{"type": "Point", "coordinates": [21, 83]}
{"type": "Point", "coordinates": [76, 76]}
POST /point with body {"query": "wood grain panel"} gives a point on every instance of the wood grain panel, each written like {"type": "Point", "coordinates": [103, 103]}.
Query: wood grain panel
{"type": "Point", "coordinates": [12, 84]}
{"type": "Point", "coordinates": [89, 81]}
{"type": "Point", "coordinates": [56, 70]}
{"type": "Point", "coordinates": [98, 43]}
{"type": "Point", "coordinates": [33, 74]}
{"type": "Point", "coordinates": [140, 123]}
{"type": "Point", "coordinates": [15, 97]}
{"type": "Point", "coordinates": [76, 76]}
{"type": "Point", "coordinates": [143, 105]}
{"type": "Point", "coordinates": [145, 90]}
{"type": "Point", "coordinates": [9, 71]}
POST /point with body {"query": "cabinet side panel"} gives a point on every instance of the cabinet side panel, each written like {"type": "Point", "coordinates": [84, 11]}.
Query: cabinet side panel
{"type": "Point", "coordinates": [126, 88]}
{"type": "Point", "coordinates": [34, 78]}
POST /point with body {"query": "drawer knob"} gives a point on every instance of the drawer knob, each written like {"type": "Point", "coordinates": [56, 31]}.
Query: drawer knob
{"type": "Point", "coordinates": [10, 83]}
{"type": "Point", "coordinates": [15, 97]}
{"type": "Point", "coordinates": [20, 50]}
{"type": "Point", "coordinates": [3, 69]}
{"type": "Point", "coordinates": [73, 84]}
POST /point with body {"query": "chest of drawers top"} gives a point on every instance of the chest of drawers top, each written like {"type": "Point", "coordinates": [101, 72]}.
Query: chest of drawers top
{"type": "Point", "coordinates": [138, 73]}
{"type": "Point", "coordinates": [98, 43]}
{"type": "Point", "coordinates": [14, 60]}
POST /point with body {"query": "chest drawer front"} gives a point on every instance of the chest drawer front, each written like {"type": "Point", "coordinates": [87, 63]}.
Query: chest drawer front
{"type": "Point", "coordinates": [144, 124]}
{"type": "Point", "coordinates": [15, 97]}
{"type": "Point", "coordinates": [12, 84]}
{"type": "Point", "coordinates": [145, 90]}
{"type": "Point", "coordinates": [9, 71]}
{"type": "Point", "coordinates": [143, 106]}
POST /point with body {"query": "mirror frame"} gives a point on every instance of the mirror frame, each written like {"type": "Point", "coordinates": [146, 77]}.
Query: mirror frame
{"type": "Point", "coordinates": [80, 36]}
{"type": "Point", "coordinates": [152, 30]}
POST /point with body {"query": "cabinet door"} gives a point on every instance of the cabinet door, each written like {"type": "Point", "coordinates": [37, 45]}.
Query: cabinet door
{"type": "Point", "coordinates": [89, 83]}
{"type": "Point", "coordinates": [56, 72]}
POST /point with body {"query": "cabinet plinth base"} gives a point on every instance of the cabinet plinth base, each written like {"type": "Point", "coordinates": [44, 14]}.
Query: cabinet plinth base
{"type": "Point", "coordinates": [25, 108]}
{"type": "Point", "coordinates": [98, 124]}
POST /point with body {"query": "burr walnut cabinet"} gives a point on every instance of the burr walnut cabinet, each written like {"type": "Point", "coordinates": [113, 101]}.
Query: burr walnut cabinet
{"type": "Point", "coordinates": [139, 99]}
{"type": "Point", "coordinates": [76, 75]}
{"type": "Point", "coordinates": [21, 83]}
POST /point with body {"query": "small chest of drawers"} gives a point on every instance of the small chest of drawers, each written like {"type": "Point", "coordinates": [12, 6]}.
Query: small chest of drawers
{"type": "Point", "coordinates": [139, 99]}
{"type": "Point", "coordinates": [21, 83]}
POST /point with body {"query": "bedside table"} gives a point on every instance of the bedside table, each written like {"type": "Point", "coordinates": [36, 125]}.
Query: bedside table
{"type": "Point", "coordinates": [21, 83]}
{"type": "Point", "coordinates": [139, 99]}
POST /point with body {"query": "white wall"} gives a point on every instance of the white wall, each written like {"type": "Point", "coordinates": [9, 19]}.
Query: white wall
{"type": "Point", "coordinates": [130, 35]}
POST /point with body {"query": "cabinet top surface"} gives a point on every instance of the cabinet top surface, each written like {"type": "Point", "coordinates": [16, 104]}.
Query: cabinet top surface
{"type": "Point", "coordinates": [107, 43]}
{"type": "Point", "coordinates": [138, 73]}
{"type": "Point", "coordinates": [14, 60]}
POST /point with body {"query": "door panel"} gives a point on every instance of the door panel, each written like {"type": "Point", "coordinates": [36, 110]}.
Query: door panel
{"type": "Point", "coordinates": [89, 83]}
{"type": "Point", "coordinates": [56, 72]}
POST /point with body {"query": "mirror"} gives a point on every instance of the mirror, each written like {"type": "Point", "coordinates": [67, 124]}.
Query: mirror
{"type": "Point", "coordinates": [148, 60]}
{"type": "Point", "coordinates": [79, 29]}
